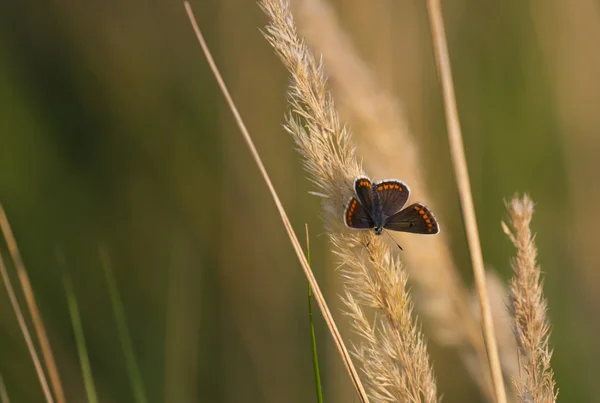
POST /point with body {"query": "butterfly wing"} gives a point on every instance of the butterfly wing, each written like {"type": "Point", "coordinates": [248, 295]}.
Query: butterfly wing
{"type": "Point", "coordinates": [393, 195]}
{"type": "Point", "coordinates": [364, 190]}
{"type": "Point", "coordinates": [357, 216]}
{"type": "Point", "coordinates": [416, 218]}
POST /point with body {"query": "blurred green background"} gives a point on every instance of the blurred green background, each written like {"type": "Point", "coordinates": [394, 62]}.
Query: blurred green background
{"type": "Point", "coordinates": [113, 132]}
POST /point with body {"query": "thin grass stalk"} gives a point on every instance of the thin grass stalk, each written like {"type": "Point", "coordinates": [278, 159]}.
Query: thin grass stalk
{"type": "Point", "coordinates": [133, 370]}
{"type": "Point", "coordinates": [286, 222]}
{"type": "Point", "coordinates": [26, 335]}
{"type": "Point", "coordinates": [392, 351]}
{"type": "Point", "coordinates": [459, 163]}
{"type": "Point", "coordinates": [84, 359]}
{"type": "Point", "coordinates": [528, 308]}
{"type": "Point", "coordinates": [313, 337]}
{"type": "Point", "coordinates": [182, 322]}
{"type": "Point", "coordinates": [3, 393]}
{"type": "Point", "coordinates": [507, 347]}
{"type": "Point", "coordinates": [35, 315]}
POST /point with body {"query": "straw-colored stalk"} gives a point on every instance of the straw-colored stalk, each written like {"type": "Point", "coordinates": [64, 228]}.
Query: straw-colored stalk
{"type": "Point", "coordinates": [461, 172]}
{"type": "Point", "coordinates": [318, 295]}
{"type": "Point", "coordinates": [36, 317]}
{"type": "Point", "coordinates": [3, 394]}
{"type": "Point", "coordinates": [528, 308]}
{"type": "Point", "coordinates": [35, 358]}
{"type": "Point", "coordinates": [392, 351]}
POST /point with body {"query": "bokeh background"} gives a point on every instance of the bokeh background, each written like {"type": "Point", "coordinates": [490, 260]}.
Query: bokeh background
{"type": "Point", "coordinates": [113, 133]}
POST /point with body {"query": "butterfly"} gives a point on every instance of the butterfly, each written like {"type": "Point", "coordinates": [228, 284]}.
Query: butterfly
{"type": "Point", "coordinates": [380, 205]}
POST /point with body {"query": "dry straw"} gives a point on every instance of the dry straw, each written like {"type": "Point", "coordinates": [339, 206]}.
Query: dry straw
{"type": "Point", "coordinates": [36, 318]}
{"type": "Point", "coordinates": [528, 308]}
{"type": "Point", "coordinates": [392, 350]}
{"type": "Point", "coordinates": [25, 331]}
{"type": "Point", "coordinates": [3, 394]}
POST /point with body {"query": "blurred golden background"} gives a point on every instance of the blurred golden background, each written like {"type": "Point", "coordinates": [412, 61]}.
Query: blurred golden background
{"type": "Point", "coordinates": [113, 132]}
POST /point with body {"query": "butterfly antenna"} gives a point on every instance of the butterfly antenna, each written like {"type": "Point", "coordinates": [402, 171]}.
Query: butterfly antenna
{"type": "Point", "coordinates": [392, 238]}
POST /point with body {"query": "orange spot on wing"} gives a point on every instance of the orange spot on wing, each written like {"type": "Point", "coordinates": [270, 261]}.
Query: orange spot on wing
{"type": "Point", "coordinates": [379, 187]}
{"type": "Point", "coordinates": [422, 212]}
{"type": "Point", "coordinates": [427, 221]}
{"type": "Point", "coordinates": [416, 208]}
{"type": "Point", "coordinates": [430, 230]}
{"type": "Point", "coordinates": [425, 216]}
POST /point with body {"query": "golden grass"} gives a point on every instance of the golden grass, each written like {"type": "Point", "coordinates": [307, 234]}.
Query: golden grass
{"type": "Point", "coordinates": [3, 394]}
{"type": "Point", "coordinates": [528, 308]}
{"type": "Point", "coordinates": [35, 316]}
{"type": "Point", "coordinates": [392, 350]}
{"type": "Point", "coordinates": [25, 331]}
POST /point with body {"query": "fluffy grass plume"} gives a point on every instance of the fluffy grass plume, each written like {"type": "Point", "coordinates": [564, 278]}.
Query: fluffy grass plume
{"type": "Point", "coordinates": [392, 350]}
{"type": "Point", "coordinates": [528, 308]}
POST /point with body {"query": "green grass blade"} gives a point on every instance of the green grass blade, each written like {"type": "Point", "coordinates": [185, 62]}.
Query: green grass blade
{"type": "Point", "coordinates": [132, 368]}
{"type": "Point", "coordinates": [84, 359]}
{"type": "Point", "coordinates": [313, 338]}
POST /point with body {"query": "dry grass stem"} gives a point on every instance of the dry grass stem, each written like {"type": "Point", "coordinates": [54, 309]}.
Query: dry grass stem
{"type": "Point", "coordinates": [392, 351]}
{"type": "Point", "coordinates": [35, 315]}
{"type": "Point", "coordinates": [528, 308]}
{"type": "Point", "coordinates": [507, 347]}
{"type": "Point", "coordinates": [26, 335]}
{"type": "Point", "coordinates": [440, 295]}
{"type": "Point", "coordinates": [461, 172]}
{"type": "Point", "coordinates": [3, 394]}
{"type": "Point", "coordinates": [294, 240]}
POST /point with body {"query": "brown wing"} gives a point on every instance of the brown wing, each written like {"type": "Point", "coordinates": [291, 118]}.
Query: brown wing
{"type": "Point", "coordinates": [356, 216]}
{"type": "Point", "coordinates": [364, 191]}
{"type": "Point", "coordinates": [416, 218]}
{"type": "Point", "coordinates": [393, 195]}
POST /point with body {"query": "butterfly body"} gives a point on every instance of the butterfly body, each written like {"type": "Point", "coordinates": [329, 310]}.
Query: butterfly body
{"type": "Point", "coordinates": [377, 216]}
{"type": "Point", "coordinates": [380, 205]}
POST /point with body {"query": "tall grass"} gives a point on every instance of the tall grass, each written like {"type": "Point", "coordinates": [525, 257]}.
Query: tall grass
{"type": "Point", "coordinates": [19, 312]}
{"type": "Point", "coordinates": [84, 359]}
{"type": "Point", "coordinates": [133, 370]}
{"type": "Point", "coordinates": [3, 393]}
{"type": "Point", "coordinates": [392, 350]}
